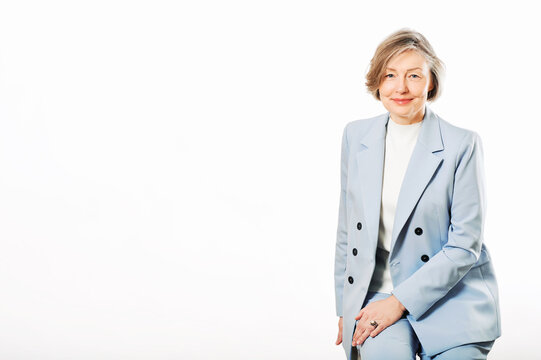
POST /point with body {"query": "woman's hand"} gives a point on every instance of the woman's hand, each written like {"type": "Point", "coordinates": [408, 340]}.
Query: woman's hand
{"type": "Point", "coordinates": [385, 312]}
{"type": "Point", "coordinates": [339, 338]}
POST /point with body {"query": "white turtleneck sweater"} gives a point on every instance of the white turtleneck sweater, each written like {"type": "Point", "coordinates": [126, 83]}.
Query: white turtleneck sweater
{"type": "Point", "coordinates": [399, 143]}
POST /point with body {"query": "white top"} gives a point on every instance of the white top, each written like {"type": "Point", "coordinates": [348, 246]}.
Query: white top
{"type": "Point", "coordinates": [399, 143]}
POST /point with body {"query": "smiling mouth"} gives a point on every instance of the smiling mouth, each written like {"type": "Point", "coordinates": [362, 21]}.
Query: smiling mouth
{"type": "Point", "coordinates": [402, 101]}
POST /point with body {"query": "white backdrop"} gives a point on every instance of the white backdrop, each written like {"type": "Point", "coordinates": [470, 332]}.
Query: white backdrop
{"type": "Point", "coordinates": [169, 171]}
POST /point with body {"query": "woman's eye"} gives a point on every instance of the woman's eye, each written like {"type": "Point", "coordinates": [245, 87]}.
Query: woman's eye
{"type": "Point", "coordinates": [389, 75]}
{"type": "Point", "coordinates": [415, 75]}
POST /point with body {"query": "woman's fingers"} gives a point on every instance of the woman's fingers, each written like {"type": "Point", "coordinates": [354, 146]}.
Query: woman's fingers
{"type": "Point", "coordinates": [364, 317]}
{"type": "Point", "coordinates": [385, 312]}
{"type": "Point", "coordinates": [362, 331]}
{"type": "Point", "coordinates": [340, 327]}
{"type": "Point", "coordinates": [362, 337]}
{"type": "Point", "coordinates": [381, 326]}
{"type": "Point", "coordinates": [339, 337]}
{"type": "Point", "coordinates": [358, 332]}
{"type": "Point", "coordinates": [356, 335]}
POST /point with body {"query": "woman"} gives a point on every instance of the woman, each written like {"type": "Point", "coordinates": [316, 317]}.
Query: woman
{"type": "Point", "coordinates": [412, 275]}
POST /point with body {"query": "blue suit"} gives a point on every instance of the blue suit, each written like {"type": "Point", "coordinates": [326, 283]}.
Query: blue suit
{"type": "Point", "coordinates": [440, 268]}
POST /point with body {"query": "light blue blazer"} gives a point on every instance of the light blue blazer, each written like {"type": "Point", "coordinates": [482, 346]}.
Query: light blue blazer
{"type": "Point", "coordinates": [440, 268]}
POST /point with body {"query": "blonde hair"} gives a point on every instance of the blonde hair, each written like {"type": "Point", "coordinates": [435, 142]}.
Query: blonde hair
{"type": "Point", "coordinates": [398, 42]}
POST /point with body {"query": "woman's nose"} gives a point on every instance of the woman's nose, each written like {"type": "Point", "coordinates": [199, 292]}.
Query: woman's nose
{"type": "Point", "coordinates": [402, 86]}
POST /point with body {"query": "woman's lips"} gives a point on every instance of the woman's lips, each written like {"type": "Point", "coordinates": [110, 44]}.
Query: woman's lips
{"type": "Point", "coordinates": [402, 101]}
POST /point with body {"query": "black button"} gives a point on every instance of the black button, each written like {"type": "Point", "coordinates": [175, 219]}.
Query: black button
{"type": "Point", "coordinates": [350, 279]}
{"type": "Point", "coordinates": [354, 252]}
{"type": "Point", "coordinates": [359, 226]}
{"type": "Point", "coordinates": [424, 258]}
{"type": "Point", "coordinates": [418, 231]}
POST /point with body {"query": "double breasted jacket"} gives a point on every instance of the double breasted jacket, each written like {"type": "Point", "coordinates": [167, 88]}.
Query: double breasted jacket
{"type": "Point", "coordinates": [440, 267]}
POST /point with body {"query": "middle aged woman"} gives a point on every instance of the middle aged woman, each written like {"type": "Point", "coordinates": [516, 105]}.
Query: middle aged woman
{"type": "Point", "coordinates": [412, 274]}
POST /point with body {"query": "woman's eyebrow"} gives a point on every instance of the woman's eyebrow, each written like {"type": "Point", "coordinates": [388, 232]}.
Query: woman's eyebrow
{"type": "Point", "coordinates": [406, 70]}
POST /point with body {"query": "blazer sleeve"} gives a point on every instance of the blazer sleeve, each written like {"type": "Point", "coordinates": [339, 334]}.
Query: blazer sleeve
{"type": "Point", "coordinates": [445, 269]}
{"type": "Point", "coordinates": [342, 232]}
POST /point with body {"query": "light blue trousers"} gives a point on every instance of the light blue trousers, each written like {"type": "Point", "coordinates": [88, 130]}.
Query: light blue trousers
{"type": "Point", "coordinates": [399, 342]}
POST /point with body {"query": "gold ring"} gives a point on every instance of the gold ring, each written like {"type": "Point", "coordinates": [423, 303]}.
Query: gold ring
{"type": "Point", "coordinates": [374, 323]}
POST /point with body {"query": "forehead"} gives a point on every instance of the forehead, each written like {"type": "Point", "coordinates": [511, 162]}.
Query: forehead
{"type": "Point", "coordinates": [407, 60]}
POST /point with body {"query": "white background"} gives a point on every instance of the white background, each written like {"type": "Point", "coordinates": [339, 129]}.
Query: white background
{"type": "Point", "coordinates": [169, 171]}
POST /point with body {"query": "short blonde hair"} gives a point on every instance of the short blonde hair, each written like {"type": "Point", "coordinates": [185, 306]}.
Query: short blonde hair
{"type": "Point", "coordinates": [398, 42]}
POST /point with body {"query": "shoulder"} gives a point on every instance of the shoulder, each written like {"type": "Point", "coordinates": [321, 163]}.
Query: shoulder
{"type": "Point", "coordinates": [357, 129]}
{"type": "Point", "coordinates": [452, 132]}
{"type": "Point", "coordinates": [458, 140]}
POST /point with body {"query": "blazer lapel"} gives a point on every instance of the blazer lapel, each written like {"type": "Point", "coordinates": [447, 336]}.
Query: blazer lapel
{"type": "Point", "coordinates": [370, 164]}
{"type": "Point", "coordinates": [421, 168]}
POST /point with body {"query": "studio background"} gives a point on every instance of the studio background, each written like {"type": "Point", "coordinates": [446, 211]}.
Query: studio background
{"type": "Point", "coordinates": [169, 171]}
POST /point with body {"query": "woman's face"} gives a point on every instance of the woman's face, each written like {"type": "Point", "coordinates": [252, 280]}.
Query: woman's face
{"type": "Point", "coordinates": [405, 86]}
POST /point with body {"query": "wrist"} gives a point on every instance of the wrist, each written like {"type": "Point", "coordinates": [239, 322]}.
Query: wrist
{"type": "Point", "coordinates": [399, 304]}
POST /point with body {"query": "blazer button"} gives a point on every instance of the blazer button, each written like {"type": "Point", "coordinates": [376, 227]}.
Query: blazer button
{"type": "Point", "coordinates": [350, 279]}
{"type": "Point", "coordinates": [418, 231]}
{"type": "Point", "coordinates": [424, 258]}
{"type": "Point", "coordinates": [354, 252]}
{"type": "Point", "coordinates": [359, 226]}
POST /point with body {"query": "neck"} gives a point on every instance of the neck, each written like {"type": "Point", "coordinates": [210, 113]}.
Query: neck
{"type": "Point", "coordinates": [408, 119]}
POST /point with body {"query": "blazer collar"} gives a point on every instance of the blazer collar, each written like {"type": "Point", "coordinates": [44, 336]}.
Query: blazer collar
{"type": "Point", "coordinates": [429, 135]}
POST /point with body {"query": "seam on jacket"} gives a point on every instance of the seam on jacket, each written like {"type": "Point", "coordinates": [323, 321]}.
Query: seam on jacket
{"type": "Point", "coordinates": [481, 271]}
{"type": "Point", "coordinates": [459, 152]}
